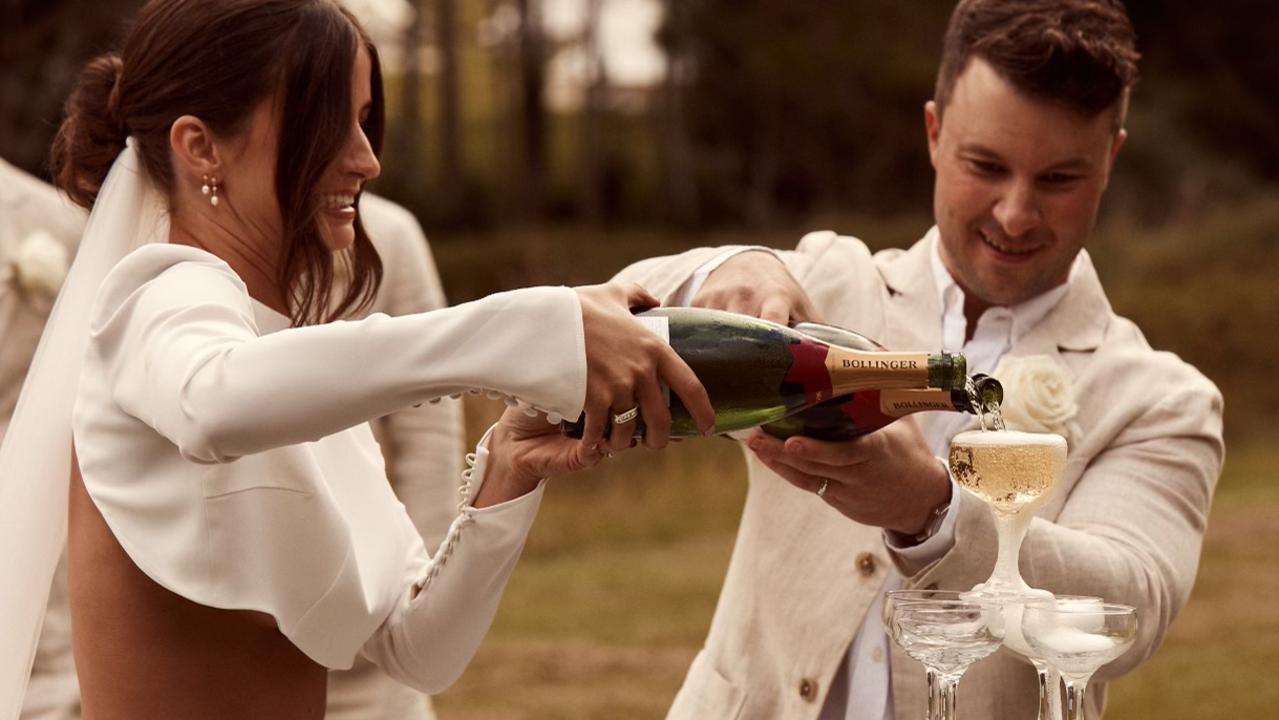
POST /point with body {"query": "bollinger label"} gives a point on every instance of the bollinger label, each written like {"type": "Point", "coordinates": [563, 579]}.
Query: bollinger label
{"type": "Point", "coordinates": [852, 370]}
{"type": "Point", "coordinates": [880, 364]}
{"type": "Point", "coordinates": [896, 403]}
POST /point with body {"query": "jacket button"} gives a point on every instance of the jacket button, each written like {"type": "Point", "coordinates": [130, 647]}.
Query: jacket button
{"type": "Point", "coordinates": [808, 689]}
{"type": "Point", "coordinates": [866, 564]}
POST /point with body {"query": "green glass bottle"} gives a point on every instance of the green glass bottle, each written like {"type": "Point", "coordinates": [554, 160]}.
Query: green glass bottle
{"type": "Point", "coordinates": [863, 412]}
{"type": "Point", "coordinates": [757, 372]}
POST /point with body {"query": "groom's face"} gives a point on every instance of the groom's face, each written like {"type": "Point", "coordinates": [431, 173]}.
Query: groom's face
{"type": "Point", "coordinates": [1018, 183]}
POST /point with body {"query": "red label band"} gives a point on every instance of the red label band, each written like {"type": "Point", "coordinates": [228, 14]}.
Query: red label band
{"type": "Point", "coordinates": [808, 370]}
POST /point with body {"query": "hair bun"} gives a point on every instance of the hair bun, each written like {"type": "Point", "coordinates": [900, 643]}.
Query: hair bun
{"type": "Point", "coordinates": [93, 132]}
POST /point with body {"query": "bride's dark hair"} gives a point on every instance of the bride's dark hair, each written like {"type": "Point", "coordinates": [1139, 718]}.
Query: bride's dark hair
{"type": "Point", "coordinates": [217, 60]}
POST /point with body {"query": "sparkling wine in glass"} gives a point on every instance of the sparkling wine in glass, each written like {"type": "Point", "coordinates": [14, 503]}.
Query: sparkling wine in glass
{"type": "Point", "coordinates": [946, 636]}
{"type": "Point", "coordinates": [1014, 473]}
{"type": "Point", "coordinates": [1077, 639]}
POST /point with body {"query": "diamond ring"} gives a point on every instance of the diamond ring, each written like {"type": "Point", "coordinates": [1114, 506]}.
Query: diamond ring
{"type": "Point", "coordinates": [821, 491]}
{"type": "Point", "coordinates": [625, 417]}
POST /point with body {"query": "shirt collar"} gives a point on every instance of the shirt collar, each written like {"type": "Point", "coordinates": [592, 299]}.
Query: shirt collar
{"type": "Point", "coordinates": [1024, 315]}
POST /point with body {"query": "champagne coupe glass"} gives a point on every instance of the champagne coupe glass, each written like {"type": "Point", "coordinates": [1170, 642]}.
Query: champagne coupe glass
{"type": "Point", "coordinates": [1014, 473]}
{"type": "Point", "coordinates": [1077, 639]}
{"type": "Point", "coordinates": [945, 635]}
{"type": "Point", "coordinates": [1049, 678]}
{"type": "Point", "coordinates": [892, 599]}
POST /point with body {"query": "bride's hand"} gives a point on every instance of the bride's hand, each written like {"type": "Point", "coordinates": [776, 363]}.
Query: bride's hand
{"type": "Point", "coordinates": [626, 367]}
{"type": "Point", "coordinates": [523, 450]}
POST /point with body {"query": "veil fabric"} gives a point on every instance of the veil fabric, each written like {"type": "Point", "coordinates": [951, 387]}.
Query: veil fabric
{"type": "Point", "coordinates": [35, 459]}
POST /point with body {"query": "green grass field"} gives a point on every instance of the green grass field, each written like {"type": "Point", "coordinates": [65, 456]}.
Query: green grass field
{"type": "Point", "coordinates": [619, 580]}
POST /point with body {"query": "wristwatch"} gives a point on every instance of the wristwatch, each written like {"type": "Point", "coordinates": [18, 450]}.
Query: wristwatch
{"type": "Point", "coordinates": [935, 519]}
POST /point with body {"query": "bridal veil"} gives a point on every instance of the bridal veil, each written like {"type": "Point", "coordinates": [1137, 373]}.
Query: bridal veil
{"type": "Point", "coordinates": [35, 459]}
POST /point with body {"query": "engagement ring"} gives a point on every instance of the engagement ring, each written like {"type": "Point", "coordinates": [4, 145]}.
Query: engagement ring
{"type": "Point", "coordinates": [625, 417]}
{"type": "Point", "coordinates": [821, 491]}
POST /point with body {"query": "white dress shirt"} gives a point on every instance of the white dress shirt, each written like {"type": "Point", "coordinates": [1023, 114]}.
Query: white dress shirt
{"type": "Point", "coordinates": [231, 457]}
{"type": "Point", "coordinates": [863, 690]}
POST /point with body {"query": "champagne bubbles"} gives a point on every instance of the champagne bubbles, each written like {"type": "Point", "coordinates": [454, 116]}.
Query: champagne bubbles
{"type": "Point", "coordinates": [1008, 469]}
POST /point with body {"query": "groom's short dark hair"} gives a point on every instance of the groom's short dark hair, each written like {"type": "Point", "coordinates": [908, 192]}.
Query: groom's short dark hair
{"type": "Point", "coordinates": [1081, 53]}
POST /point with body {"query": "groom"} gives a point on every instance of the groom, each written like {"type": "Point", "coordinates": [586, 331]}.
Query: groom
{"type": "Point", "coordinates": [1025, 124]}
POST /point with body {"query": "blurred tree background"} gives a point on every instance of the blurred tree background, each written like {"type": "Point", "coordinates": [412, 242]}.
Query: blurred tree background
{"type": "Point", "coordinates": [532, 154]}
{"type": "Point", "coordinates": [520, 139]}
{"type": "Point", "coordinates": [766, 112]}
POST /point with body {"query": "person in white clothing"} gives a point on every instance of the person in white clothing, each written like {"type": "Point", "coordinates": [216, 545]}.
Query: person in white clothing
{"type": "Point", "coordinates": [230, 531]}
{"type": "Point", "coordinates": [1024, 127]}
{"type": "Point", "coordinates": [422, 446]}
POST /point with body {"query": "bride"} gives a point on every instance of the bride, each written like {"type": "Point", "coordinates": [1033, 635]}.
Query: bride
{"type": "Point", "coordinates": [231, 533]}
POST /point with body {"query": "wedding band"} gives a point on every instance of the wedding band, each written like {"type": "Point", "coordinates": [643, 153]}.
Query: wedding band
{"type": "Point", "coordinates": [625, 417]}
{"type": "Point", "coordinates": [821, 491]}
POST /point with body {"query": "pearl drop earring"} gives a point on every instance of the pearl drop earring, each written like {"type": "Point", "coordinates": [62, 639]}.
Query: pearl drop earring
{"type": "Point", "coordinates": [210, 188]}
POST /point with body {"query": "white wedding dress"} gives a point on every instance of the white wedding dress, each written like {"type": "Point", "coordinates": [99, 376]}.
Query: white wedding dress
{"type": "Point", "coordinates": [230, 454]}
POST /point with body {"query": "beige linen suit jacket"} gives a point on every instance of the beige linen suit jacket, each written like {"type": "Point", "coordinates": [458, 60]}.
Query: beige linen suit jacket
{"type": "Point", "coordinates": [1126, 523]}
{"type": "Point", "coordinates": [29, 206]}
{"type": "Point", "coordinates": [423, 447]}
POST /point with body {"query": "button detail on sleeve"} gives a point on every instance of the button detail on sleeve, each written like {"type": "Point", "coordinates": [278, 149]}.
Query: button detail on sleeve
{"type": "Point", "coordinates": [866, 564]}
{"type": "Point", "coordinates": [808, 689]}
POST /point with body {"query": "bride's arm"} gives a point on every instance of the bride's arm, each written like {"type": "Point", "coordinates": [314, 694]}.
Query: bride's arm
{"type": "Point", "coordinates": [176, 332]}
{"type": "Point", "coordinates": [449, 601]}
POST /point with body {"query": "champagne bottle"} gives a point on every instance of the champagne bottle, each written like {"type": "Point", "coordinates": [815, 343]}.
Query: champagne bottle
{"type": "Point", "coordinates": [867, 411]}
{"type": "Point", "coordinates": [757, 372]}
{"type": "Point", "coordinates": [863, 412]}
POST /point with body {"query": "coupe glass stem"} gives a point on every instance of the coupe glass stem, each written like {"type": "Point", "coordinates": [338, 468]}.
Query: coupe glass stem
{"type": "Point", "coordinates": [931, 675]}
{"type": "Point", "coordinates": [1075, 688]}
{"type": "Point", "coordinates": [947, 687]}
{"type": "Point", "coordinates": [1049, 691]}
{"type": "Point", "coordinates": [1011, 531]}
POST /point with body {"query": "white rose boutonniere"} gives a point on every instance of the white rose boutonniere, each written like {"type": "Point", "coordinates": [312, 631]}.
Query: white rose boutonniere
{"type": "Point", "coordinates": [1038, 394]}
{"type": "Point", "coordinates": [40, 264]}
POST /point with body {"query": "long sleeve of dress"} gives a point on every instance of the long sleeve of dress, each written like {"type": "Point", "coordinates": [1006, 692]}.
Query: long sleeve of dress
{"type": "Point", "coordinates": [209, 383]}
{"type": "Point", "coordinates": [439, 620]}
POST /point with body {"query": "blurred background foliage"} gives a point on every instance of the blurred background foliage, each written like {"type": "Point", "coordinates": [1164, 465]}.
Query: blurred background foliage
{"type": "Point", "coordinates": [531, 158]}
{"type": "Point", "coordinates": [766, 111]}
{"type": "Point", "coordinates": [766, 118]}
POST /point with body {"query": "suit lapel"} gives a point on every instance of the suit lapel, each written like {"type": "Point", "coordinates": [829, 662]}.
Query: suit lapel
{"type": "Point", "coordinates": [1077, 324]}
{"type": "Point", "coordinates": [913, 316]}
{"type": "Point", "coordinates": [912, 310]}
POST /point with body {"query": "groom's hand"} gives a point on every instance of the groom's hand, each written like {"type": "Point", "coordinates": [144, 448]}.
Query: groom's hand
{"type": "Point", "coordinates": [888, 478]}
{"type": "Point", "coordinates": [756, 283]}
